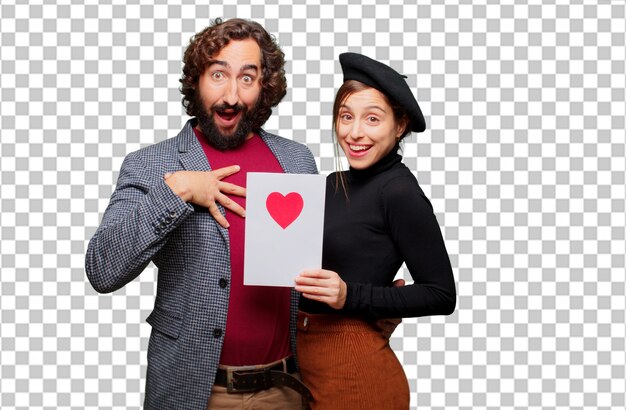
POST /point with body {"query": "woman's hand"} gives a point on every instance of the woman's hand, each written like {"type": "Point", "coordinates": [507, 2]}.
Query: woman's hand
{"type": "Point", "coordinates": [323, 286]}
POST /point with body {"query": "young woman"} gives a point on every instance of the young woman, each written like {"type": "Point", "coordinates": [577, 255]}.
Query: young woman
{"type": "Point", "coordinates": [376, 218]}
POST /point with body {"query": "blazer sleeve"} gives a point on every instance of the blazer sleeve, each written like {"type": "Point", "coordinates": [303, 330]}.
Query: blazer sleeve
{"type": "Point", "coordinates": [142, 211]}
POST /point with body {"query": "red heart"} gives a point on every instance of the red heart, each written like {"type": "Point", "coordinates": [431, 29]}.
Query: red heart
{"type": "Point", "coordinates": [284, 209]}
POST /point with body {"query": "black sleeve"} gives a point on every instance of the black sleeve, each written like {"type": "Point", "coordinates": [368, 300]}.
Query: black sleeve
{"type": "Point", "coordinates": [415, 232]}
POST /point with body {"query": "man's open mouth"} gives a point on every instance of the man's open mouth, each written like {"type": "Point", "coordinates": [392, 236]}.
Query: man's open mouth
{"type": "Point", "coordinates": [227, 115]}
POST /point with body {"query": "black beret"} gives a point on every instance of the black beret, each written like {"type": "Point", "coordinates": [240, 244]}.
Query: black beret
{"type": "Point", "coordinates": [386, 80]}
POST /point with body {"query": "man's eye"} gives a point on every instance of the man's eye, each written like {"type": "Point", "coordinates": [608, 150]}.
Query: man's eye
{"type": "Point", "coordinates": [217, 75]}
{"type": "Point", "coordinates": [246, 79]}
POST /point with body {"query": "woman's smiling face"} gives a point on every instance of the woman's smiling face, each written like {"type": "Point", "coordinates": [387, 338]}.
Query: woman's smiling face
{"type": "Point", "coordinates": [366, 128]}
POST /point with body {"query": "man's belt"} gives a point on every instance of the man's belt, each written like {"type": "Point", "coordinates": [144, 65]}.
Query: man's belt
{"type": "Point", "coordinates": [248, 379]}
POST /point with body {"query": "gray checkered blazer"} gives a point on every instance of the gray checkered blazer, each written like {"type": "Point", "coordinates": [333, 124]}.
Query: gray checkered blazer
{"type": "Point", "coordinates": [145, 221]}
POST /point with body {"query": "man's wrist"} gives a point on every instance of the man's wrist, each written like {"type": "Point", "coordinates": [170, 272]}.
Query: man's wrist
{"type": "Point", "coordinates": [172, 183]}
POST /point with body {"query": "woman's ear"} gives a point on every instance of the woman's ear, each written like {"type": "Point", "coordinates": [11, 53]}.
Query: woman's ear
{"type": "Point", "coordinates": [401, 127]}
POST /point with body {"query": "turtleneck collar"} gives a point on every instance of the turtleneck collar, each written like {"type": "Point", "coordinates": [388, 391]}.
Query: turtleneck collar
{"type": "Point", "coordinates": [382, 165]}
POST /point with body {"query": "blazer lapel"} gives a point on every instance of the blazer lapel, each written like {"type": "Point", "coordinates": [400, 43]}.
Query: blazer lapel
{"type": "Point", "coordinates": [193, 158]}
{"type": "Point", "coordinates": [283, 159]}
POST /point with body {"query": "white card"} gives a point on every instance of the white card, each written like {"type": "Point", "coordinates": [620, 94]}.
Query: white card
{"type": "Point", "coordinates": [284, 227]}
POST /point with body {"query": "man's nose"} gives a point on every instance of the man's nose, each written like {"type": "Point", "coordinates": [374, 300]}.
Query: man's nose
{"type": "Point", "coordinates": [231, 93]}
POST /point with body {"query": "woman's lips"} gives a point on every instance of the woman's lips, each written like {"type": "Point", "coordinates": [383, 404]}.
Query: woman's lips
{"type": "Point", "coordinates": [358, 150]}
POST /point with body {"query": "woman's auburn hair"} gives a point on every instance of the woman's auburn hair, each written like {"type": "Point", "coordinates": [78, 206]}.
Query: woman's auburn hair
{"type": "Point", "coordinates": [204, 45]}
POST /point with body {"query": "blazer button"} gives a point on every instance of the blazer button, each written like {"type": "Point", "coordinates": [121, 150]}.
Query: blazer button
{"type": "Point", "coordinates": [217, 333]}
{"type": "Point", "coordinates": [223, 283]}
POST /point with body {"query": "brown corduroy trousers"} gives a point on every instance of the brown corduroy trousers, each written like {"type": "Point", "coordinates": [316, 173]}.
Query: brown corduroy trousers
{"type": "Point", "coordinates": [348, 364]}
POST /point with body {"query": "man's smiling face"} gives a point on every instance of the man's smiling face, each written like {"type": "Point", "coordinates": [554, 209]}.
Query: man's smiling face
{"type": "Point", "coordinates": [228, 91]}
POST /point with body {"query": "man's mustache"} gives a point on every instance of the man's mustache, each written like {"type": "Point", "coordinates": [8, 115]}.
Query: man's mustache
{"type": "Point", "coordinates": [236, 109]}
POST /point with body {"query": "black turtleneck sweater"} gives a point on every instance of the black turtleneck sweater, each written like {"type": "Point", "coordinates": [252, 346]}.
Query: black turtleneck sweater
{"type": "Point", "coordinates": [381, 220]}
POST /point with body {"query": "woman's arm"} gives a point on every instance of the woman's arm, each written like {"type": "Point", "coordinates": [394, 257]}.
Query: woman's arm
{"type": "Point", "coordinates": [415, 232]}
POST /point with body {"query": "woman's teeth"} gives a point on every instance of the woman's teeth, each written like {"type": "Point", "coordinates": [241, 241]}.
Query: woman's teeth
{"type": "Point", "coordinates": [359, 147]}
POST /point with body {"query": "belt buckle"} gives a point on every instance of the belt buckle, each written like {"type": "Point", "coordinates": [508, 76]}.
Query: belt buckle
{"type": "Point", "coordinates": [233, 372]}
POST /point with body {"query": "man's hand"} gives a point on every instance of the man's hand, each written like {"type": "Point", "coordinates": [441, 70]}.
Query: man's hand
{"type": "Point", "coordinates": [323, 286]}
{"type": "Point", "coordinates": [388, 326]}
{"type": "Point", "coordinates": [206, 189]}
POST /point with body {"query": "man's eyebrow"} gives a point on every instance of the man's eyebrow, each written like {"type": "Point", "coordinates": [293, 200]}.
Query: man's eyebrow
{"type": "Point", "coordinates": [250, 67]}
{"type": "Point", "coordinates": [226, 65]}
{"type": "Point", "coordinates": [219, 62]}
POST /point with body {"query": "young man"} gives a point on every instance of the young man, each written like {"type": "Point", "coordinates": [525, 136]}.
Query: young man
{"type": "Point", "coordinates": [180, 204]}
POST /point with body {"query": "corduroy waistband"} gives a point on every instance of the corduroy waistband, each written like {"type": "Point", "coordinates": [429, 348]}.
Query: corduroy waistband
{"type": "Point", "coordinates": [330, 323]}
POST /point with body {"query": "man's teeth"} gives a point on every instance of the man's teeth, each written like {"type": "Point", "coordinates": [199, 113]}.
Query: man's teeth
{"type": "Point", "coordinates": [358, 147]}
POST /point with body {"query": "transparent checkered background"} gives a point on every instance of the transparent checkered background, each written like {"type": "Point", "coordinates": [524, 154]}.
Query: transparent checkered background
{"type": "Point", "coordinates": [523, 160]}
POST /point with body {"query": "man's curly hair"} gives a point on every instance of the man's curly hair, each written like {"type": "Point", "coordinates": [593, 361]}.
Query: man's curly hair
{"type": "Point", "coordinates": [203, 47]}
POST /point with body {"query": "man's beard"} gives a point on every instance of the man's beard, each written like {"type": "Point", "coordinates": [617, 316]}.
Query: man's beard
{"type": "Point", "coordinates": [213, 135]}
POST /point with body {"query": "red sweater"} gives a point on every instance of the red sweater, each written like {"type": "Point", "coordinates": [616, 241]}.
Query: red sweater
{"type": "Point", "coordinates": [257, 328]}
